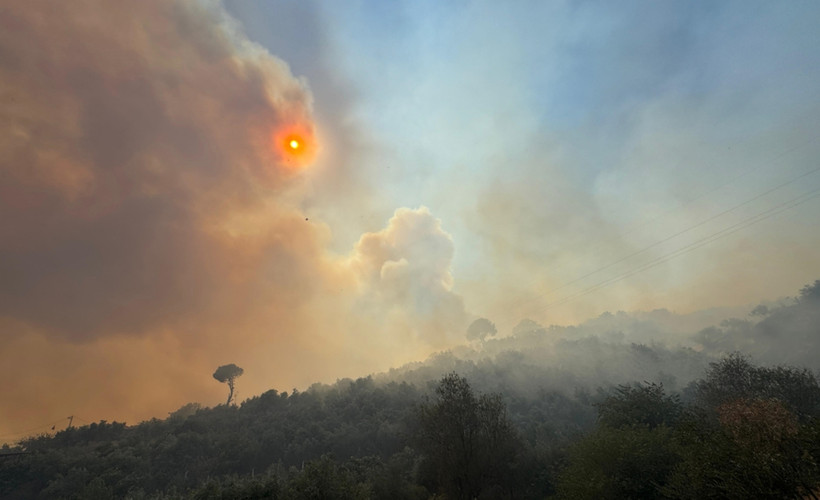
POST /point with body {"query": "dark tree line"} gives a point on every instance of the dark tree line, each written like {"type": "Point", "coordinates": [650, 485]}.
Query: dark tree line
{"type": "Point", "coordinates": [748, 432]}
{"type": "Point", "coordinates": [742, 431]}
{"type": "Point", "coordinates": [504, 426]}
{"type": "Point", "coordinates": [358, 439]}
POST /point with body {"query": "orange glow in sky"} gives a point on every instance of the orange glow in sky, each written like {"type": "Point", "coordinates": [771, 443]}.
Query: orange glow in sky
{"type": "Point", "coordinates": [295, 145]}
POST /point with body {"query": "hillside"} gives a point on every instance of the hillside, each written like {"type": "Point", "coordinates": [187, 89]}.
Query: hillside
{"type": "Point", "coordinates": [577, 402]}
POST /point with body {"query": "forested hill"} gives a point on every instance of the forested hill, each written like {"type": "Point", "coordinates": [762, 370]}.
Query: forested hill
{"type": "Point", "coordinates": [564, 412]}
{"type": "Point", "coordinates": [621, 348]}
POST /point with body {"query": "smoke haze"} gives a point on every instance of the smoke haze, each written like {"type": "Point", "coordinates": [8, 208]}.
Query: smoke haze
{"type": "Point", "coordinates": [151, 230]}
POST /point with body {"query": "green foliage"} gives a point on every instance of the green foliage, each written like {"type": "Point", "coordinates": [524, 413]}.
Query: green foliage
{"type": "Point", "coordinates": [186, 411]}
{"type": "Point", "coordinates": [631, 453]}
{"type": "Point", "coordinates": [752, 434]}
{"type": "Point", "coordinates": [639, 405]}
{"type": "Point", "coordinates": [228, 373]}
{"type": "Point", "coordinates": [756, 450]}
{"type": "Point", "coordinates": [323, 479]}
{"type": "Point", "coordinates": [468, 440]}
{"type": "Point", "coordinates": [735, 377]}
{"type": "Point", "coordinates": [619, 463]}
{"type": "Point", "coordinates": [747, 432]}
{"type": "Point", "coordinates": [239, 488]}
{"type": "Point", "coordinates": [352, 419]}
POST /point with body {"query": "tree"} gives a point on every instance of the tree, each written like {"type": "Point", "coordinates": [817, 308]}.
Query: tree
{"type": "Point", "coordinates": [228, 373]}
{"type": "Point", "coordinates": [324, 479]}
{"type": "Point", "coordinates": [185, 411]}
{"type": "Point", "coordinates": [527, 326]}
{"type": "Point", "coordinates": [735, 377]}
{"type": "Point", "coordinates": [754, 434]}
{"type": "Point", "coordinates": [468, 441]}
{"type": "Point", "coordinates": [614, 463]}
{"type": "Point", "coordinates": [757, 448]}
{"type": "Point", "coordinates": [480, 329]}
{"type": "Point", "coordinates": [639, 405]}
{"type": "Point", "coordinates": [632, 451]}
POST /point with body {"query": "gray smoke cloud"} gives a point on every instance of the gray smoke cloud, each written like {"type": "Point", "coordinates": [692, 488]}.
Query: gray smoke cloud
{"type": "Point", "coordinates": [150, 229]}
{"type": "Point", "coordinates": [406, 270]}
{"type": "Point", "coordinates": [134, 135]}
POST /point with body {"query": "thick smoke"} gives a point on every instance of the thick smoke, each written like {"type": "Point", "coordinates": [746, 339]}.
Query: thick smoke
{"type": "Point", "coordinates": [405, 271]}
{"type": "Point", "coordinates": [624, 348]}
{"type": "Point", "coordinates": [137, 141]}
{"type": "Point", "coordinates": [150, 231]}
{"type": "Point", "coordinates": [778, 334]}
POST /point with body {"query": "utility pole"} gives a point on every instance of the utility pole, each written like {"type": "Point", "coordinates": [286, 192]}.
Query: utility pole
{"type": "Point", "coordinates": [70, 421]}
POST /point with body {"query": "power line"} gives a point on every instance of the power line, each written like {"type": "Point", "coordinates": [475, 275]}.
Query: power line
{"type": "Point", "coordinates": [679, 233]}
{"type": "Point", "coordinates": [31, 430]}
{"type": "Point", "coordinates": [693, 246]}
{"type": "Point", "coordinates": [49, 426]}
{"type": "Point", "coordinates": [743, 172]}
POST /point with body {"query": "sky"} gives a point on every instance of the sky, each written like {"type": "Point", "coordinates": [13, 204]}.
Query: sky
{"type": "Point", "coordinates": [508, 160]}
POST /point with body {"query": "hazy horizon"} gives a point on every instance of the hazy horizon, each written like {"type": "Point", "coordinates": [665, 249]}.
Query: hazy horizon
{"type": "Point", "coordinates": [551, 161]}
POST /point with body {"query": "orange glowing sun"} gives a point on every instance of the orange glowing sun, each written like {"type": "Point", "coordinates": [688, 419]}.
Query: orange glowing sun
{"type": "Point", "coordinates": [295, 145]}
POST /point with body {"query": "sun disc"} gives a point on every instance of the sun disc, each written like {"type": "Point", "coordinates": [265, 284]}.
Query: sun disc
{"type": "Point", "coordinates": [295, 145]}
